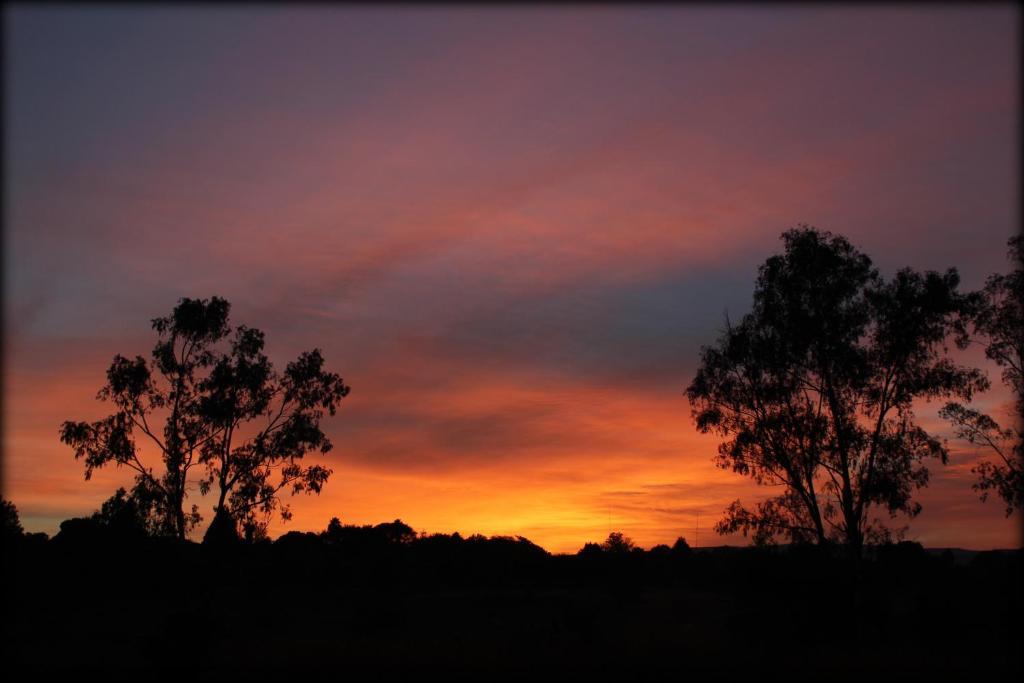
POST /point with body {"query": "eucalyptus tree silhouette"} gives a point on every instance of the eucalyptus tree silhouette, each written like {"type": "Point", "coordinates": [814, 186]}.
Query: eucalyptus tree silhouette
{"type": "Point", "coordinates": [225, 410]}
{"type": "Point", "coordinates": [999, 322]}
{"type": "Point", "coordinates": [814, 390]}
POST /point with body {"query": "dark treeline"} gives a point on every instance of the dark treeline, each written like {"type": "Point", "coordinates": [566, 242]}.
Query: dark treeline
{"type": "Point", "coordinates": [384, 602]}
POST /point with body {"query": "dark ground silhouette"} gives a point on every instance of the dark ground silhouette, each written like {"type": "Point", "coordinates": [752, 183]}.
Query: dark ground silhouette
{"type": "Point", "coordinates": [364, 603]}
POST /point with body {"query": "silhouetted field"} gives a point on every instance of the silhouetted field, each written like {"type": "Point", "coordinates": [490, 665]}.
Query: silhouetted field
{"type": "Point", "coordinates": [382, 603]}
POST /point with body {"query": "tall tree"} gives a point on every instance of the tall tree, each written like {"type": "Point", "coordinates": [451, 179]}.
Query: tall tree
{"type": "Point", "coordinates": [204, 395]}
{"type": "Point", "coordinates": [814, 390]}
{"type": "Point", "coordinates": [284, 411]}
{"type": "Point", "coordinates": [999, 325]}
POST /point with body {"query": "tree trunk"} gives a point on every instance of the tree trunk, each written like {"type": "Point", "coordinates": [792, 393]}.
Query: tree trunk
{"type": "Point", "coordinates": [854, 538]}
{"type": "Point", "coordinates": [819, 527]}
{"type": "Point", "coordinates": [180, 514]}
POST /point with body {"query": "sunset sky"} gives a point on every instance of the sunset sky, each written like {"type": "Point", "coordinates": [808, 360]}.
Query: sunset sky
{"type": "Point", "coordinates": [509, 230]}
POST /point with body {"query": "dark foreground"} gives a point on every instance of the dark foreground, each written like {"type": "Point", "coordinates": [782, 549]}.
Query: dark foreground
{"type": "Point", "coordinates": [445, 608]}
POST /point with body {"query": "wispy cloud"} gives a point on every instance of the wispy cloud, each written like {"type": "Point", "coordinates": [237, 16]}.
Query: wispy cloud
{"type": "Point", "coordinates": [511, 231]}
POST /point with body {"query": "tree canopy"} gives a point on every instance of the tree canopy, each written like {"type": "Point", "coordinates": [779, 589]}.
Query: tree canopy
{"type": "Point", "coordinates": [999, 325]}
{"type": "Point", "coordinates": [226, 413]}
{"type": "Point", "coordinates": [10, 524]}
{"type": "Point", "coordinates": [813, 390]}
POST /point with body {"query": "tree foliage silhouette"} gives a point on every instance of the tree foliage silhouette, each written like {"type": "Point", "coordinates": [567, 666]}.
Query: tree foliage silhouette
{"type": "Point", "coordinates": [814, 388]}
{"type": "Point", "coordinates": [129, 513]}
{"type": "Point", "coordinates": [617, 542]}
{"type": "Point", "coordinates": [225, 411]}
{"type": "Point", "coordinates": [10, 524]}
{"type": "Point", "coordinates": [999, 321]}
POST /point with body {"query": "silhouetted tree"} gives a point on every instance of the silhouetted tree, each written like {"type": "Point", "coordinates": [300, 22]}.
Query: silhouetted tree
{"type": "Point", "coordinates": [367, 538]}
{"type": "Point", "coordinates": [129, 514]}
{"type": "Point", "coordinates": [617, 543]}
{"type": "Point", "coordinates": [396, 531]}
{"type": "Point", "coordinates": [10, 525]}
{"type": "Point", "coordinates": [223, 531]}
{"type": "Point", "coordinates": [814, 390]}
{"type": "Point", "coordinates": [1000, 323]}
{"type": "Point", "coordinates": [681, 548]}
{"type": "Point", "coordinates": [124, 518]}
{"type": "Point", "coordinates": [334, 531]}
{"type": "Point", "coordinates": [243, 388]}
{"type": "Point", "coordinates": [208, 398]}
